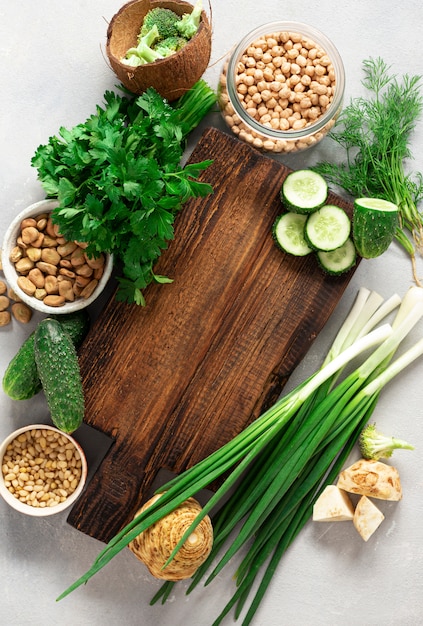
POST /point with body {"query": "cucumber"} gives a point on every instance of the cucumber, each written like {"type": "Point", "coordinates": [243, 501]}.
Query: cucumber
{"type": "Point", "coordinates": [21, 380]}
{"type": "Point", "coordinates": [328, 228]}
{"type": "Point", "coordinates": [339, 261]}
{"type": "Point", "coordinates": [374, 225]}
{"type": "Point", "coordinates": [288, 232]}
{"type": "Point", "coordinates": [58, 368]}
{"type": "Point", "coordinates": [304, 191]}
{"type": "Point", "coordinates": [77, 324]}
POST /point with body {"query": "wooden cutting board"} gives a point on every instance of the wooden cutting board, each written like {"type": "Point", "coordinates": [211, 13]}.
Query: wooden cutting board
{"type": "Point", "coordinates": [174, 380]}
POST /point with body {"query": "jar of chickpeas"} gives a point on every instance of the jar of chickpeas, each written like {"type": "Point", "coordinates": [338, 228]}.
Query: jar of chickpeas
{"type": "Point", "coordinates": [281, 88]}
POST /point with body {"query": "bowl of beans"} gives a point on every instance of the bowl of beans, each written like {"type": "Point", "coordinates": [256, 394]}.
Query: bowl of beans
{"type": "Point", "coordinates": [281, 88]}
{"type": "Point", "coordinates": [47, 272]}
{"type": "Point", "coordinates": [44, 470]}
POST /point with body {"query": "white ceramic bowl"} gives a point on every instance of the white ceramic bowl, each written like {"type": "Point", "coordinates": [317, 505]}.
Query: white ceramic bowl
{"type": "Point", "coordinates": [11, 275]}
{"type": "Point", "coordinates": [47, 510]}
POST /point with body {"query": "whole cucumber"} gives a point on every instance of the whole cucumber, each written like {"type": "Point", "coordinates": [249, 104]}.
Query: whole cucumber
{"type": "Point", "coordinates": [21, 380]}
{"type": "Point", "coordinates": [58, 369]}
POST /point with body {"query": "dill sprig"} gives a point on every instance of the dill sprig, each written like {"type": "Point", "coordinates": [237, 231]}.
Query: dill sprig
{"type": "Point", "coordinates": [375, 133]}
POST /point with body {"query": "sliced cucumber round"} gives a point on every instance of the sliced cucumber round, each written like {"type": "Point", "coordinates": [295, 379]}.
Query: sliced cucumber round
{"type": "Point", "coordinates": [339, 261]}
{"type": "Point", "coordinates": [374, 225]}
{"type": "Point", "coordinates": [304, 191]}
{"type": "Point", "coordinates": [288, 232]}
{"type": "Point", "coordinates": [328, 228]}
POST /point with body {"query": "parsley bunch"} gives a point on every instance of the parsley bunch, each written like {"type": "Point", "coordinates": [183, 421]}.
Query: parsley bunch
{"type": "Point", "coordinates": [119, 181]}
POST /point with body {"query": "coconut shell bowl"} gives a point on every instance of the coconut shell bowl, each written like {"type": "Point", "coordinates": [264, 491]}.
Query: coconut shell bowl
{"type": "Point", "coordinates": [172, 76]}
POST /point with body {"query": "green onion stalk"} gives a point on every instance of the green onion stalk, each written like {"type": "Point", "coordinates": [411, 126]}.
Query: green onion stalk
{"type": "Point", "coordinates": [276, 468]}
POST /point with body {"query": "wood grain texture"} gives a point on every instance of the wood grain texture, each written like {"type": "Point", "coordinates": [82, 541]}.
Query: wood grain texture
{"type": "Point", "coordinates": [176, 379]}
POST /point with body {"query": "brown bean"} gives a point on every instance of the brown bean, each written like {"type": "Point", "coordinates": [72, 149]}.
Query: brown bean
{"type": "Point", "coordinates": [3, 287]}
{"type": "Point", "coordinates": [65, 290]}
{"type": "Point", "coordinates": [95, 263]}
{"type": "Point", "coordinates": [15, 254]}
{"type": "Point", "coordinates": [49, 242]}
{"type": "Point", "coordinates": [13, 295]}
{"type": "Point", "coordinates": [63, 271]}
{"type": "Point", "coordinates": [4, 303]}
{"type": "Point", "coordinates": [78, 257]}
{"type": "Point", "coordinates": [28, 222]}
{"type": "Point", "coordinates": [40, 294]}
{"type": "Point", "coordinates": [50, 255]}
{"type": "Point", "coordinates": [39, 241]}
{"type": "Point", "coordinates": [47, 268]}
{"type": "Point", "coordinates": [37, 277]}
{"type": "Point", "coordinates": [89, 289]}
{"type": "Point", "coordinates": [50, 285]}
{"type": "Point", "coordinates": [84, 270]}
{"type": "Point", "coordinates": [67, 248]}
{"type": "Point", "coordinates": [24, 265]}
{"type": "Point", "coordinates": [26, 285]}
{"type": "Point", "coordinates": [34, 254]}
{"type": "Point", "coordinates": [5, 318]}
{"type": "Point", "coordinates": [21, 312]}
{"type": "Point", "coordinates": [50, 228]}
{"type": "Point", "coordinates": [55, 301]}
{"type": "Point", "coordinates": [29, 234]}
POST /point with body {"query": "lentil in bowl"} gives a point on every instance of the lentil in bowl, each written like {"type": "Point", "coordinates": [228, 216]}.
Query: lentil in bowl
{"type": "Point", "coordinates": [281, 89]}
{"type": "Point", "coordinates": [43, 470]}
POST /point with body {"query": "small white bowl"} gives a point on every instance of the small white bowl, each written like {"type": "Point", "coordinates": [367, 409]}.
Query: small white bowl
{"type": "Point", "coordinates": [28, 509]}
{"type": "Point", "coordinates": [11, 275]}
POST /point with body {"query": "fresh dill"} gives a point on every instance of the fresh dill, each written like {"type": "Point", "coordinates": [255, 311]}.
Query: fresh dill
{"type": "Point", "coordinates": [375, 133]}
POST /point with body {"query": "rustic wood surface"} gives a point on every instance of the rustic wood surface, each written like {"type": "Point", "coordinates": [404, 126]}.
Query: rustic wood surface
{"type": "Point", "coordinates": [174, 380]}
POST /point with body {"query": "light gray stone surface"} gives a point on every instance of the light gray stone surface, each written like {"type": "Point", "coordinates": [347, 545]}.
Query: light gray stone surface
{"type": "Point", "coordinates": [53, 71]}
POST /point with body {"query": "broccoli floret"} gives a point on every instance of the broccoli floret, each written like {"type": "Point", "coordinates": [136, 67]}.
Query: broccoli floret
{"type": "Point", "coordinates": [164, 19]}
{"type": "Point", "coordinates": [375, 445]}
{"type": "Point", "coordinates": [168, 46]}
{"type": "Point", "coordinates": [189, 23]}
{"type": "Point", "coordinates": [144, 52]}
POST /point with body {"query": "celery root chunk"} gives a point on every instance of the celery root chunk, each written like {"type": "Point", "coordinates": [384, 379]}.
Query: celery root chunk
{"type": "Point", "coordinates": [367, 518]}
{"type": "Point", "coordinates": [333, 505]}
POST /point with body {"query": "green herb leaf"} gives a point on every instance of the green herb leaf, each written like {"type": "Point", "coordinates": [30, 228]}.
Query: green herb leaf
{"type": "Point", "coordinates": [119, 180]}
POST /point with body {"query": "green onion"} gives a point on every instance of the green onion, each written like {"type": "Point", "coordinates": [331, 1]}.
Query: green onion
{"type": "Point", "coordinates": [277, 467]}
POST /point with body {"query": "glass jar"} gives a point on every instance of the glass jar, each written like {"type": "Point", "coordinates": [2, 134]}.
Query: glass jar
{"type": "Point", "coordinates": [281, 89]}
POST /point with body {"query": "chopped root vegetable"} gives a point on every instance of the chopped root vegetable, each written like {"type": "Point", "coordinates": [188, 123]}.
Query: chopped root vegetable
{"type": "Point", "coordinates": [333, 505]}
{"type": "Point", "coordinates": [367, 518]}
{"type": "Point", "coordinates": [373, 479]}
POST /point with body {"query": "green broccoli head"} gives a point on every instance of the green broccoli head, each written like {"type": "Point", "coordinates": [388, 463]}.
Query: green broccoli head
{"type": "Point", "coordinates": [375, 445]}
{"type": "Point", "coordinates": [164, 19]}
{"type": "Point", "coordinates": [168, 46]}
{"type": "Point", "coordinates": [189, 23]}
{"type": "Point", "coordinates": [143, 53]}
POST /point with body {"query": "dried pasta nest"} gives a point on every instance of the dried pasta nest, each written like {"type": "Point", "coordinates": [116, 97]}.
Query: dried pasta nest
{"type": "Point", "coordinates": [171, 77]}
{"type": "Point", "coordinates": [154, 545]}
